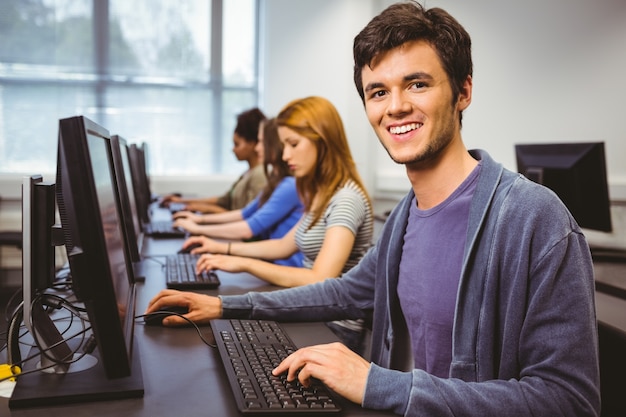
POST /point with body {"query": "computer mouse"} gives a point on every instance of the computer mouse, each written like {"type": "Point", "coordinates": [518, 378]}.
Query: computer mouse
{"type": "Point", "coordinates": [156, 318]}
{"type": "Point", "coordinates": [189, 248]}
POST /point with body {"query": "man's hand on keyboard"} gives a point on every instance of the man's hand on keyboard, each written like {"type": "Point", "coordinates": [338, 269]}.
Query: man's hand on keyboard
{"type": "Point", "coordinates": [339, 368]}
{"type": "Point", "coordinates": [201, 308]}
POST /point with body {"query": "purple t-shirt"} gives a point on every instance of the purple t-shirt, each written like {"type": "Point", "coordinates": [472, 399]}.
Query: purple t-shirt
{"type": "Point", "coordinates": [430, 270]}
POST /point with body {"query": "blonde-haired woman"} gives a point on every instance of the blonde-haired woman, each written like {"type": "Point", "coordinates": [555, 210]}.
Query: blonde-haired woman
{"type": "Point", "coordinates": [336, 229]}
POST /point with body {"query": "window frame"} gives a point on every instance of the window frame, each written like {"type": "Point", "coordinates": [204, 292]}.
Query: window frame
{"type": "Point", "coordinates": [101, 80]}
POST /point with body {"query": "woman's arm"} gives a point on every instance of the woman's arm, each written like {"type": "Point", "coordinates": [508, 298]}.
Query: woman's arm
{"type": "Point", "coordinates": [201, 200]}
{"type": "Point", "coordinates": [234, 230]}
{"type": "Point", "coordinates": [332, 257]}
{"type": "Point", "coordinates": [206, 207]}
{"type": "Point", "coordinates": [264, 249]}
{"type": "Point", "coordinates": [228, 225]}
{"type": "Point", "coordinates": [226, 217]}
{"type": "Point", "coordinates": [252, 220]}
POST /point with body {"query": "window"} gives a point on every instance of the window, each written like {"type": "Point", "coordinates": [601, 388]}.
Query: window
{"type": "Point", "coordinates": [171, 73]}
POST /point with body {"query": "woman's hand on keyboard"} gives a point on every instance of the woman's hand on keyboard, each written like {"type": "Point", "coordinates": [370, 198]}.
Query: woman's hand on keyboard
{"type": "Point", "coordinates": [339, 368]}
{"type": "Point", "coordinates": [186, 214]}
{"type": "Point", "coordinates": [203, 244]}
{"type": "Point", "coordinates": [209, 261]}
{"type": "Point", "coordinates": [187, 224]}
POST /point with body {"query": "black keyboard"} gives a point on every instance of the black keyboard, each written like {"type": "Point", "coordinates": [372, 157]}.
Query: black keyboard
{"type": "Point", "coordinates": [180, 273]}
{"type": "Point", "coordinates": [249, 350]}
{"type": "Point", "coordinates": [164, 229]}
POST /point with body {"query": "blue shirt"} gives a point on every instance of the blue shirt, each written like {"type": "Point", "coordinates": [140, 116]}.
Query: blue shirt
{"type": "Point", "coordinates": [277, 216]}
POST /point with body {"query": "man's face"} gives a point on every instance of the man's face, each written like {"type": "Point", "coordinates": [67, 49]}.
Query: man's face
{"type": "Point", "coordinates": [408, 101]}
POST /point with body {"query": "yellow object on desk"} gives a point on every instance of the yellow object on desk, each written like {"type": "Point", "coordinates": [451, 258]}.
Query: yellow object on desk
{"type": "Point", "coordinates": [7, 371]}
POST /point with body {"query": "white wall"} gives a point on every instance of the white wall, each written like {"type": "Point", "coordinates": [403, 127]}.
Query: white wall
{"type": "Point", "coordinates": [544, 70]}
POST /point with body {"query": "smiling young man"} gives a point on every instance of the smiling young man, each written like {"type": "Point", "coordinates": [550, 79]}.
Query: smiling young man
{"type": "Point", "coordinates": [481, 284]}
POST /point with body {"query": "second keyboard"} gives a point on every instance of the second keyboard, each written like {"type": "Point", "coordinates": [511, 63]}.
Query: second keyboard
{"type": "Point", "coordinates": [180, 273]}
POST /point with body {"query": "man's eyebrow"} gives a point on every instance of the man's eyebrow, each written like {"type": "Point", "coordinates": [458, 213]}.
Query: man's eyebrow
{"type": "Point", "coordinates": [409, 77]}
{"type": "Point", "coordinates": [373, 86]}
{"type": "Point", "coordinates": [418, 76]}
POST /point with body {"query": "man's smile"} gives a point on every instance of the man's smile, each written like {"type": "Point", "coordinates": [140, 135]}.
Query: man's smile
{"type": "Point", "coordinates": [398, 130]}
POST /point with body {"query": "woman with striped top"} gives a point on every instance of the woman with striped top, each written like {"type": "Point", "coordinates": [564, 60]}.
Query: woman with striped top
{"type": "Point", "coordinates": [336, 229]}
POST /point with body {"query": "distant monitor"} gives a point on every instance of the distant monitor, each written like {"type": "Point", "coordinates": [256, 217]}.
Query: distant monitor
{"type": "Point", "coordinates": [128, 206]}
{"type": "Point", "coordinates": [101, 274]}
{"type": "Point", "coordinates": [576, 172]}
{"type": "Point", "coordinates": [145, 160]}
{"type": "Point", "coordinates": [126, 193]}
{"type": "Point", "coordinates": [140, 182]}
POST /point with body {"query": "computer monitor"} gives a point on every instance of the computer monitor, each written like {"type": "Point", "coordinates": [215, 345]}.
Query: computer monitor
{"type": "Point", "coordinates": [576, 172]}
{"type": "Point", "coordinates": [38, 217]}
{"type": "Point", "coordinates": [140, 182]}
{"type": "Point", "coordinates": [38, 271]}
{"type": "Point", "coordinates": [145, 162]}
{"type": "Point", "coordinates": [130, 216]}
{"type": "Point", "coordinates": [126, 193]}
{"type": "Point", "coordinates": [101, 274]}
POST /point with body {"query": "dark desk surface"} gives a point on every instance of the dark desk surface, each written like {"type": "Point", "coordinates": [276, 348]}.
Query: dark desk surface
{"type": "Point", "coordinates": [182, 375]}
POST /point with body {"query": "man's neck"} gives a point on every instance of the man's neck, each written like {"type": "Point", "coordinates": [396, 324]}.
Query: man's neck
{"type": "Point", "coordinates": [434, 182]}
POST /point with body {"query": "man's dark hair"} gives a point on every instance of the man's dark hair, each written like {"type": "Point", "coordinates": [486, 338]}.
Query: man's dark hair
{"type": "Point", "coordinates": [248, 124]}
{"type": "Point", "coordinates": [410, 21]}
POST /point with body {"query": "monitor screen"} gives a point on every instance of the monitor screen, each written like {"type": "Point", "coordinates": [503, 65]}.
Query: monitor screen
{"type": "Point", "coordinates": [576, 172]}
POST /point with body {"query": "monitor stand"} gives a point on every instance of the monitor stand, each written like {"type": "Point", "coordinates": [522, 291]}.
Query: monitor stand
{"type": "Point", "coordinates": [90, 383]}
